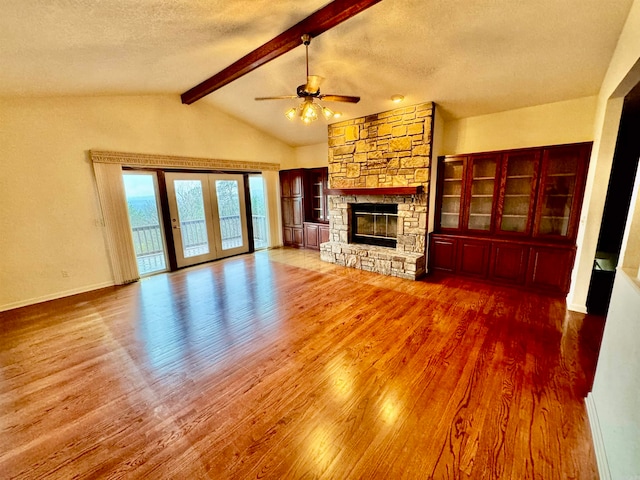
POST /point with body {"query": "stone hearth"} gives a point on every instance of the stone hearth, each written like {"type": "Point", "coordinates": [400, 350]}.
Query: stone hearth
{"type": "Point", "coordinates": [390, 149]}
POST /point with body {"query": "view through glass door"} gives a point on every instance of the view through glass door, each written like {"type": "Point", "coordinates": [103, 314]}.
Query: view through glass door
{"type": "Point", "coordinates": [208, 216]}
{"type": "Point", "coordinates": [141, 190]}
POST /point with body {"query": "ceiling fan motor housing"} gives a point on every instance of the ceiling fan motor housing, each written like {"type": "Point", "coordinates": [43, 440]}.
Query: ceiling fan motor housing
{"type": "Point", "coordinates": [302, 91]}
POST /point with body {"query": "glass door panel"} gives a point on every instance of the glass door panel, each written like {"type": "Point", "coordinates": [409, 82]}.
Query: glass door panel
{"type": "Point", "coordinates": [190, 208]}
{"type": "Point", "coordinates": [258, 212]}
{"type": "Point", "coordinates": [519, 186]}
{"type": "Point", "coordinates": [193, 226]}
{"type": "Point", "coordinates": [453, 170]}
{"type": "Point", "coordinates": [141, 191]}
{"type": "Point", "coordinates": [229, 214]}
{"type": "Point", "coordinates": [557, 194]}
{"type": "Point", "coordinates": [483, 175]}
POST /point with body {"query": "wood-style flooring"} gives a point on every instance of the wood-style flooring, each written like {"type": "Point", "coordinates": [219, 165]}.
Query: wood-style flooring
{"type": "Point", "coordinates": [277, 365]}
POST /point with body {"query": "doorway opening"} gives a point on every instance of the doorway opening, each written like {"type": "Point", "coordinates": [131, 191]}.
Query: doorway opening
{"type": "Point", "coordinates": [141, 191]}
{"type": "Point", "coordinates": [617, 203]}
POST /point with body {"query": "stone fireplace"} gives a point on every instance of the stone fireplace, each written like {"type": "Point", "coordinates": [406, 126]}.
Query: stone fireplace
{"type": "Point", "coordinates": [381, 159]}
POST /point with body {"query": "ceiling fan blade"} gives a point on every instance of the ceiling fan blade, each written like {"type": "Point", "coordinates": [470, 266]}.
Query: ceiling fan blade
{"type": "Point", "coordinates": [318, 22]}
{"type": "Point", "coordinates": [339, 98]}
{"type": "Point", "coordinates": [313, 83]}
{"type": "Point", "coordinates": [281, 97]}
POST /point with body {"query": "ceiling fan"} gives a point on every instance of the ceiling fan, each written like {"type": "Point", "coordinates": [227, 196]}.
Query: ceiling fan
{"type": "Point", "coordinates": [318, 22]}
{"type": "Point", "coordinates": [308, 110]}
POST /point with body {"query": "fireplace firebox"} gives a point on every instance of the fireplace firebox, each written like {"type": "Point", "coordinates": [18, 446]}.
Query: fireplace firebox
{"type": "Point", "coordinates": [374, 224]}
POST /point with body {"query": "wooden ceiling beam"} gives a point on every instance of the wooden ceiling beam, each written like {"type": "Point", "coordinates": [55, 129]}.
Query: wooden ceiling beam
{"type": "Point", "coordinates": [318, 22]}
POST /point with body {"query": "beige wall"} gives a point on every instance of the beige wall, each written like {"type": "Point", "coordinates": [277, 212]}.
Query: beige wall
{"type": "Point", "coordinates": [570, 121]}
{"type": "Point", "coordinates": [630, 249]}
{"type": "Point", "coordinates": [48, 203]}
{"type": "Point", "coordinates": [310, 156]}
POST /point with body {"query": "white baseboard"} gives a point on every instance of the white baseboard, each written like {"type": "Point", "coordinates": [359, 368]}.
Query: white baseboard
{"type": "Point", "coordinates": [577, 307]}
{"type": "Point", "coordinates": [598, 442]}
{"type": "Point", "coordinates": [54, 296]}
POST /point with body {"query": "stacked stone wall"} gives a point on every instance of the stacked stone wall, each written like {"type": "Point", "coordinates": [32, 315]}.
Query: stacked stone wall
{"type": "Point", "coordinates": [389, 149]}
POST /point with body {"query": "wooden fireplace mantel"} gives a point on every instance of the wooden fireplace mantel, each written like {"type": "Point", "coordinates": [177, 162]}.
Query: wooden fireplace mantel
{"type": "Point", "coordinates": [376, 191]}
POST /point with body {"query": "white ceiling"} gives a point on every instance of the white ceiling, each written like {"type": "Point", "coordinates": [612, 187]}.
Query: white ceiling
{"type": "Point", "coordinates": [472, 57]}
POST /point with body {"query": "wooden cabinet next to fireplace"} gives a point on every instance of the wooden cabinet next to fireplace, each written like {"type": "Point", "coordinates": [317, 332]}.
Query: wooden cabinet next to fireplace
{"type": "Point", "coordinates": [305, 215]}
{"type": "Point", "coordinates": [511, 216]}
{"type": "Point", "coordinates": [292, 198]}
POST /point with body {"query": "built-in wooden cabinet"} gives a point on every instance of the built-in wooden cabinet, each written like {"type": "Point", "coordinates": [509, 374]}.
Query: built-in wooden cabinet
{"type": "Point", "coordinates": [305, 214]}
{"type": "Point", "coordinates": [292, 201]}
{"type": "Point", "coordinates": [511, 216]}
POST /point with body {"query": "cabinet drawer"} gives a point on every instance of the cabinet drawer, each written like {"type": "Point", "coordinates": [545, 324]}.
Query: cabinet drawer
{"type": "Point", "coordinates": [473, 257]}
{"type": "Point", "coordinates": [550, 268]}
{"type": "Point", "coordinates": [443, 253]}
{"type": "Point", "coordinates": [311, 236]}
{"type": "Point", "coordinates": [509, 262]}
{"type": "Point", "coordinates": [287, 235]}
{"type": "Point", "coordinates": [298, 237]}
{"type": "Point", "coordinates": [323, 233]}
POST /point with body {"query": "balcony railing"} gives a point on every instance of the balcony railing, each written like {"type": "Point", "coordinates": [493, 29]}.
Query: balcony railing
{"type": "Point", "coordinates": [149, 245]}
{"type": "Point", "coordinates": [260, 231]}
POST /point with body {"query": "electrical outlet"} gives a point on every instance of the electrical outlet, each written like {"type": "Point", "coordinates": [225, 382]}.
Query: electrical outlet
{"type": "Point", "coordinates": [64, 273]}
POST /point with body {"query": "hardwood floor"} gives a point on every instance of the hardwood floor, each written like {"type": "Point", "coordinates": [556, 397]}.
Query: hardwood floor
{"type": "Point", "coordinates": [277, 365]}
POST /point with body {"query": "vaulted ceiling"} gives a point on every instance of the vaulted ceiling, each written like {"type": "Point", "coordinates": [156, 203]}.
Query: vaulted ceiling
{"type": "Point", "coordinates": [472, 57]}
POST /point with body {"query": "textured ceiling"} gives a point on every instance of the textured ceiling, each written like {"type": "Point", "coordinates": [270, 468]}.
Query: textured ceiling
{"type": "Point", "coordinates": [472, 57]}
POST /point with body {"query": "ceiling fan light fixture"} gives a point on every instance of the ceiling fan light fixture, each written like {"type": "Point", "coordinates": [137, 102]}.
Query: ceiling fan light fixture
{"type": "Point", "coordinates": [327, 112]}
{"type": "Point", "coordinates": [309, 111]}
{"type": "Point", "coordinates": [291, 113]}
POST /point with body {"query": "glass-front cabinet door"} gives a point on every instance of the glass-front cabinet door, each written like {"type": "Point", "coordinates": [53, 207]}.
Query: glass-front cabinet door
{"type": "Point", "coordinates": [518, 187]}
{"type": "Point", "coordinates": [482, 183]}
{"type": "Point", "coordinates": [452, 179]}
{"type": "Point", "coordinates": [560, 188]}
{"type": "Point", "coordinates": [317, 186]}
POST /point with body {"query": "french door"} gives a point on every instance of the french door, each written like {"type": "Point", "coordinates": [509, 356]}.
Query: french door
{"type": "Point", "coordinates": [208, 216]}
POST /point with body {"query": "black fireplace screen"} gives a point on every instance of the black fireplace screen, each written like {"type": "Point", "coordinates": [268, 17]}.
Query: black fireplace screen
{"type": "Point", "coordinates": [374, 223]}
